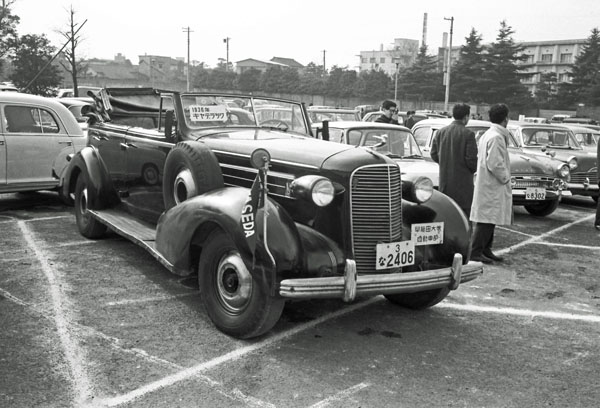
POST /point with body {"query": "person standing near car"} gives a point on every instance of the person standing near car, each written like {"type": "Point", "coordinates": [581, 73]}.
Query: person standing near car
{"type": "Point", "coordinates": [390, 113]}
{"type": "Point", "coordinates": [492, 198]}
{"type": "Point", "coordinates": [455, 150]}
{"type": "Point", "coordinates": [410, 119]}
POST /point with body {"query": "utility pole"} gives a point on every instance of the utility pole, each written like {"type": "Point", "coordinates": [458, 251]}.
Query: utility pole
{"type": "Point", "coordinates": [451, 19]}
{"type": "Point", "coordinates": [187, 29]}
{"type": "Point", "coordinates": [396, 84]}
{"type": "Point", "coordinates": [226, 41]}
{"type": "Point", "coordinates": [324, 66]}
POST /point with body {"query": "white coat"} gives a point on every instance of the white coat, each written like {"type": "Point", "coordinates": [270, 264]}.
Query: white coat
{"type": "Point", "coordinates": [492, 196]}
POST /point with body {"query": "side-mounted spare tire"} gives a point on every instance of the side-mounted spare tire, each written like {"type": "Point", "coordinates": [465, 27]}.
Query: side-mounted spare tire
{"type": "Point", "coordinates": [191, 169]}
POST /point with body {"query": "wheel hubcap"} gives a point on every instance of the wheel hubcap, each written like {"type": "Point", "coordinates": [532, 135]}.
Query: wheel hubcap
{"type": "Point", "coordinates": [234, 283]}
{"type": "Point", "coordinates": [184, 186]}
{"type": "Point", "coordinates": [83, 202]}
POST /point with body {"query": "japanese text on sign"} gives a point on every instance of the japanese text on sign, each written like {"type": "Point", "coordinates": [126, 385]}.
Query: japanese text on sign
{"type": "Point", "coordinates": [204, 113]}
{"type": "Point", "coordinates": [428, 234]}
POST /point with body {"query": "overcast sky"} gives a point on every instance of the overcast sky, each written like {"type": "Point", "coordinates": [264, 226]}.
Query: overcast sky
{"type": "Point", "coordinates": [299, 29]}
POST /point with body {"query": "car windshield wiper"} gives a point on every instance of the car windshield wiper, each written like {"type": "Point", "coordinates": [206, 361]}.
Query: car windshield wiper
{"type": "Point", "coordinates": [413, 156]}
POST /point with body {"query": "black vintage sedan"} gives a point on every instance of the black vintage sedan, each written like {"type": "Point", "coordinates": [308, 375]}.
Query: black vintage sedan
{"type": "Point", "coordinates": [259, 209]}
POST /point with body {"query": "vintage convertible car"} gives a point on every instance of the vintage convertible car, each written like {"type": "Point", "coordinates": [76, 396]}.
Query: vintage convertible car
{"type": "Point", "coordinates": [394, 141]}
{"type": "Point", "coordinates": [335, 221]}
{"type": "Point", "coordinates": [538, 181]}
{"type": "Point", "coordinates": [559, 142]}
{"type": "Point", "coordinates": [38, 136]}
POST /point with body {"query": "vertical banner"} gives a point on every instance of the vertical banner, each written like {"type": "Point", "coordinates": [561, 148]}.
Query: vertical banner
{"type": "Point", "coordinates": [255, 200]}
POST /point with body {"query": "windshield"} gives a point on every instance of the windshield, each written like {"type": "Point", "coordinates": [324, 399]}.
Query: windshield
{"type": "Point", "coordinates": [587, 139]}
{"type": "Point", "coordinates": [549, 137]}
{"type": "Point", "coordinates": [397, 143]}
{"type": "Point", "coordinates": [203, 111]}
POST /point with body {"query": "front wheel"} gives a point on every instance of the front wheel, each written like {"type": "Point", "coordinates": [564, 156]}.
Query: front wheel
{"type": "Point", "coordinates": [235, 301]}
{"type": "Point", "coordinates": [88, 226]}
{"type": "Point", "coordinates": [419, 300]}
{"type": "Point", "coordinates": [542, 208]}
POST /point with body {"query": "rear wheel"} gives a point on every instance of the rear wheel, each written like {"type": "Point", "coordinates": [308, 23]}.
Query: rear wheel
{"type": "Point", "coordinates": [542, 208]}
{"type": "Point", "coordinates": [88, 226]}
{"type": "Point", "coordinates": [419, 300]}
{"type": "Point", "coordinates": [235, 301]}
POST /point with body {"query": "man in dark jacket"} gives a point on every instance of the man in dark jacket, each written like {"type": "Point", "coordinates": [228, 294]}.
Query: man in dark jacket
{"type": "Point", "coordinates": [409, 122]}
{"type": "Point", "coordinates": [455, 149]}
{"type": "Point", "coordinates": [390, 113]}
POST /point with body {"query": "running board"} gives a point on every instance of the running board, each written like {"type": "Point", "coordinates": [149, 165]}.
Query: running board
{"type": "Point", "coordinates": [139, 232]}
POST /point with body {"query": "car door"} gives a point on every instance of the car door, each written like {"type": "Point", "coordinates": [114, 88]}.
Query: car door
{"type": "Point", "coordinates": [35, 145]}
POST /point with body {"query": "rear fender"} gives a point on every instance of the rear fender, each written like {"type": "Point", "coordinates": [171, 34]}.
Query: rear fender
{"type": "Point", "coordinates": [439, 208]}
{"type": "Point", "coordinates": [87, 161]}
{"type": "Point", "coordinates": [183, 229]}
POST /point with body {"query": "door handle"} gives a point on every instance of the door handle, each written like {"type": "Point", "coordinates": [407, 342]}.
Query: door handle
{"type": "Point", "coordinates": [1, 142]}
{"type": "Point", "coordinates": [127, 145]}
{"type": "Point", "coordinates": [67, 143]}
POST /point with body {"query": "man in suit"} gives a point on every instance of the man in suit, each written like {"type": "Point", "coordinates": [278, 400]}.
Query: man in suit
{"type": "Point", "coordinates": [390, 113]}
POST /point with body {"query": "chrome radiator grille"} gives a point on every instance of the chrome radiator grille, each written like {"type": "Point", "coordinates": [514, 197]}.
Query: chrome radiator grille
{"type": "Point", "coordinates": [376, 208]}
{"type": "Point", "coordinates": [528, 181]}
{"type": "Point", "coordinates": [580, 177]}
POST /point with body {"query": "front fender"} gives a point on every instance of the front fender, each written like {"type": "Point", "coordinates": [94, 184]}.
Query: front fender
{"type": "Point", "coordinates": [439, 208]}
{"type": "Point", "coordinates": [87, 161]}
{"type": "Point", "coordinates": [191, 221]}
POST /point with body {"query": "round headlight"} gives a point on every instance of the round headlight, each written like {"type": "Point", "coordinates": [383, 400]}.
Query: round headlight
{"type": "Point", "coordinates": [513, 182]}
{"type": "Point", "coordinates": [322, 192]}
{"type": "Point", "coordinates": [563, 171]}
{"type": "Point", "coordinates": [423, 189]}
{"type": "Point", "coordinates": [572, 163]}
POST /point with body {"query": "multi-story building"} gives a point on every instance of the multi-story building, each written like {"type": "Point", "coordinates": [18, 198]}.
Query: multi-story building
{"type": "Point", "coordinates": [542, 57]}
{"type": "Point", "coordinates": [402, 55]}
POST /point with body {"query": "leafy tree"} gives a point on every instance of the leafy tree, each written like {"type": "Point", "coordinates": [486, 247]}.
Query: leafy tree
{"type": "Point", "coordinates": [467, 81]}
{"type": "Point", "coordinates": [72, 66]}
{"type": "Point", "coordinates": [373, 85]}
{"type": "Point", "coordinates": [546, 92]}
{"type": "Point", "coordinates": [422, 79]}
{"type": "Point", "coordinates": [199, 76]}
{"type": "Point", "coordinates": [32, 53]}
{"type": "Point", "coordinates": [8, 29]}
{"type": "Point", "coordinates": [312, 80]}
{"type": "Point", "coordinates": [249, 80]}
{"type": "Point", "coordinates": [341, 82]}
{"type": "Point", "coordinates": [278, 79]}
{"type": "Point", "coordinates": [220, 79]}
{"type": "Point", "coordinates": [586, 71]}
{"type": "Point", "coordinates": [502, 71]}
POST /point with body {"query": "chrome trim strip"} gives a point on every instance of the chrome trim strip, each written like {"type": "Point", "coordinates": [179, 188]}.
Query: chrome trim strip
{"type": "Point", "coordinates": [254, 171]}
{"type": "Point", "coordinates": [247, 156]}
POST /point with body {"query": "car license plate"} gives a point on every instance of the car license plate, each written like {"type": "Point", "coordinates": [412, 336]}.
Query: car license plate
{"type": "Point", "coordinates": [535, 193]}
{"type": "Point", "coordinates": [395, 254]}
{"type": "Point", "coordinates": [431, 233]}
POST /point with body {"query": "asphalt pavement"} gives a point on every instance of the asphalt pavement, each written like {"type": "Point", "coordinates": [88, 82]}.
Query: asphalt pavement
{"type": "Point", "coordinates": [102, 324]}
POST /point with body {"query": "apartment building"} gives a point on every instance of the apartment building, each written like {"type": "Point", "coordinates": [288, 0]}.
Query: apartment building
{"type": "Point", "coordinates": [402, 54]}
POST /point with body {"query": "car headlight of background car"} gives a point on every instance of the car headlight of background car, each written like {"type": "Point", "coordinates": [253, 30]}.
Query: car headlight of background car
{"type": "Point", "coordinates": [419, 189]}
{"type": "Point", "coordinates": [572, 162]}
{"type": "Point", "coordinates": [318, 189]}
{"type": "Point", "coordinates": [564, 171]}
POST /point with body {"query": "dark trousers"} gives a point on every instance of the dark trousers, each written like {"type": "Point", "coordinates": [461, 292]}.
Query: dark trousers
{"type": "Point", "coordinates": [483, 237]}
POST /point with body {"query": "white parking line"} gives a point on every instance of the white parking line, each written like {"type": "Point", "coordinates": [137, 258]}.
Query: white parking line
{"type": "Point", "coordinates": [340, 395]}
{"type": "Point", "coordinates": [73, 354]}
{"type": "Point", "coordinates": [555, 244]}
{"type": "Point", "coordinates": [231, 356]}
{"type": "Point", "coordinates": [521, 312]}
{"type": "Point", "coordinates": [148, 300]}
{"type": "Point", "coordinates": [12, 219]}
{"type": "Point", "coordinates": [544, 235]}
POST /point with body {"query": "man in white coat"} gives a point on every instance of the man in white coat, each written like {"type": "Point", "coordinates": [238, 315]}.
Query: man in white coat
{"type": "Point", "coordinates": [492, 196]}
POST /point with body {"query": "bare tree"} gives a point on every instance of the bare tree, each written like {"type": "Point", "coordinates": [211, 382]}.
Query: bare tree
{"type": "Point", "coordinates": [70, 63]}
{"type": "Point", "coordinates": [8, 30]}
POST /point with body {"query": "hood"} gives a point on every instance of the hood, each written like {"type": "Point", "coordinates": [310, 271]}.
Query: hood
{"type": "Point", "coordinates": [525, 163]}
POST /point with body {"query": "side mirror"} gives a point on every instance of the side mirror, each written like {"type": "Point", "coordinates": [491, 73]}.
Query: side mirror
{"type": "Point", "coordinates": [169, 123]}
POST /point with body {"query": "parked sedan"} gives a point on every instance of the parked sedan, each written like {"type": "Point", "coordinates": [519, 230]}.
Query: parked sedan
{"type": "Point", "coordinates": [538, 181]}
{"type": "Point", "coordinates": [587, 137]}
{"type": "Point", "coordinates": [559, 141]}
{"type": "Point", "coordinates": [38, 136]}
{"type": "Point", "coordinates": [394, 141]}
{"type": "Point", "coordinates": [319, 114]}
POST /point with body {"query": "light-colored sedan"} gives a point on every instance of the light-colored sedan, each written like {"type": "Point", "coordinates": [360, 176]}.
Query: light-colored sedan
{"type": "Point", "coordinates": [38, 137]}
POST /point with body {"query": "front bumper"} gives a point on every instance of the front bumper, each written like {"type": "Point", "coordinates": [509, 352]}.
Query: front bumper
{"type": "Point", "coordinates": [351, 285]}
{"type": "Point", "coordinates": [550, 194]}
{"type": "Point", "coordinates": [588, 188]}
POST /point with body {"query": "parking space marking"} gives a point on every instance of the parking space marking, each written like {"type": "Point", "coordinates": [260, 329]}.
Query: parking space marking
{"type": "Point", "coordinates": [555, 244]}
{"type": "Point", "coordinates": [514, 231]}
{"type": "Point", "coordinates": [61, 314]}
{"type": "Point", "coordinates": [340, 395]}
{"type": "Point", "coordinates": [521, 312]}
{"type": "Point", "coordinates": [231, 356]}
{"type": "Point", "coordinates": [150, 299]}
{"type": "Point", "coordinates": [545, 234]}
{"type": "Point", "coordinates": [11, 219]}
